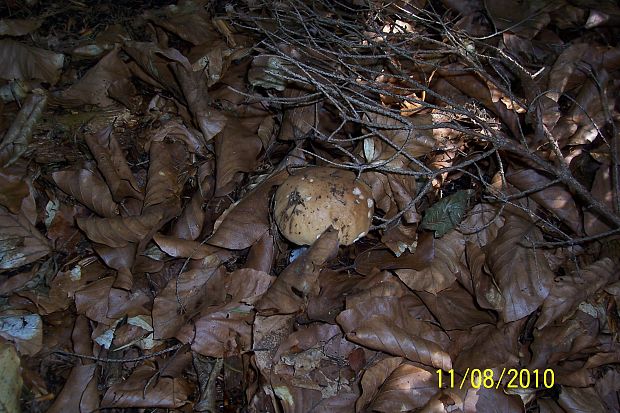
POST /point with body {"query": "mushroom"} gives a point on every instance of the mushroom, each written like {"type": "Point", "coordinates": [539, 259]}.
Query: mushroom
{"type": "Point", "coordinates": [307, 203]}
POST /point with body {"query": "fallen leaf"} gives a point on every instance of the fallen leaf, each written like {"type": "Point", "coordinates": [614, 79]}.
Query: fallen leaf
{"type": "Point", "coordinates": [20, 242]}
{"type": "Point", "coordinates": [88, 189]}
{"type": "Point", "coordinates": [25, 62]}
{"type": "Point", "coordinates": [521, 273]}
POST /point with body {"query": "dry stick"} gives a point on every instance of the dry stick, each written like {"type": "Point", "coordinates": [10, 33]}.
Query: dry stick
{"type": "Point", "coordinates": [563, 174]}
{"type": "Point", "coordinates": [109, 360]}
{"type": "Point", "coordinates": [561, 171]}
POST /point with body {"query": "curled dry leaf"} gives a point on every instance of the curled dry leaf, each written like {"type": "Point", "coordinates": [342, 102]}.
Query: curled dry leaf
{"type": "Point", "coordinates": [178, 132]}
{"type": "Point", "coordinates": [481, 224]}
{"type": "Point", "coordinates": [167, 176]}
{"type": "Point", "coordinates": [422, 257]}
{"type": "Point", "coordinates": [120, 231]}
{"type": "Point", "coordinates": [20, 242]}
{"type": "Point", "coordinates": [209, 120]}
{"type": "Point", "coordinates": [151, 64]}
{"type": "Point", "coordinates": [298, 120]}
{"type": "Point", "coordinates": [88, 189]}
{"type": "Point", "coordinates": [112, 164]}
{"type": "Point", "coordinates": [180, 248]}
{"type": "Point", "coordinates": [581, 400]}
{"type": "Point", "coordinates": [521, 273]}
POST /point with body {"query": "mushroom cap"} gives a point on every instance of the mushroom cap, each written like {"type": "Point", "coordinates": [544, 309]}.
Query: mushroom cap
{"type": "Point", "coordinates": [307, 203]}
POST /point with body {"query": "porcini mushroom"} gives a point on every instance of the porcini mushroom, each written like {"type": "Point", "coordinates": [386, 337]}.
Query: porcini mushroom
{"type": "Point", "coordinates": [312, 199]}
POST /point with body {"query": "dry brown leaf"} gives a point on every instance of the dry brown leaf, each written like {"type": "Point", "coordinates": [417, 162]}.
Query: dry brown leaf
{"type": "Point", "coordinates": [112, 164]}
{"type": "Point", "coordinates": [152, 64]}
{"type": "Point", "coordinates": [524, 19]}
{"type": "Point", "coordinates": [481, 224]}
{"type": "Point", "coordinates": [373, 379]}
{"type": "Point", "coordinates": [79, 394]}
{"type": "Point", "coordinates": [17, 138]}
{"type": "Point", "coordinates": [92, 88]}
{"type": "Point", "coordinates": [474, 87]}
{"type": "Point", "coordinates": [178, 132]}
{"type": "Point", "coordinates": [294, 399]}
{"type": "Point", "coordinates": [120, 231]}
{"type": "Point", "coordinates": [88, 189]}
{"type": "Point", "coordinates": [555, 343]}
{"type": "Point", "coordinates": [422, 257]}
{"type": "Point", "coordinates": [236, 149]}
{"type": "Point", "coordinates": [167, 176]}
{"type": "Point", "coordinates": [416, 141]}
{"type": "Point", "coordinates": [19, 61]}
{"type": "Point", "coordinates": [164, 392]}
{"type": "Point", "coordinates": [189, 21]}
{"type": "Point", "coordinates": [20, 242]}
{"type": "Point", "coordinates": [299, 120]}
{"type": "Point", "coordinates": [247, 221]}
{"type": "Point", "coordinates": [490, 400]}
{"type": "Point", "coordinates": [554, 198]}
{"type": "Point", "coordinates": [601, 190]}
{"type": "Point", "coordinates": [574, 399]}
{"type": "Point", "coordinates": [268, 333]}
{"type": "Point", "coordinates": [569, 291]}
{"type": "Point", "coordinates": [396, 386]}
{"type": "Point", "coordinates": [184, 295]}
{"type": "Point", "coordinates": [18, 27]}
{"type": "Point", "coordinates": [219, 329]}
{"type": "Point", "coordinates": [444, 268]}
{"type": "Point", "coordinates": [521, 273]}
{"type": "Point", "coordinates": [190, 223]}
{"type": "Point", "coordinates": [378, 333]}
{"type": "Point", "coordinates": [180, 248]}
{"type": "Point", "coordinates": [300, 279]}
{"type": "Point", "coordinates": [487, 345]}
{"type": "Point", "coordinates": [582, 124]}
{"type": "Point", "coordinates": [209, 120]}
{"type": "Point", "coordinates": [262, 254]}
{"type": "Point", "coordinates": [14, 189]}
{"type": "Point", "coordinates": [455, 308]}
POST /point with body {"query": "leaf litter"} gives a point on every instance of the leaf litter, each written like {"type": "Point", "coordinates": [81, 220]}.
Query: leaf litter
{"type": "Point", "coordinates": [141, 266]}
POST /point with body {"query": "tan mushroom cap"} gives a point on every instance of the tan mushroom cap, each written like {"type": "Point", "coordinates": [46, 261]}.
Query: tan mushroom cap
{"type": "Point", "coordinates": [312, 199]}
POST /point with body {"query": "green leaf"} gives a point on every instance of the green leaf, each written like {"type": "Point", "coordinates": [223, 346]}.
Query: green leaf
{"type": "Point", "coordinates": [447, 213]}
